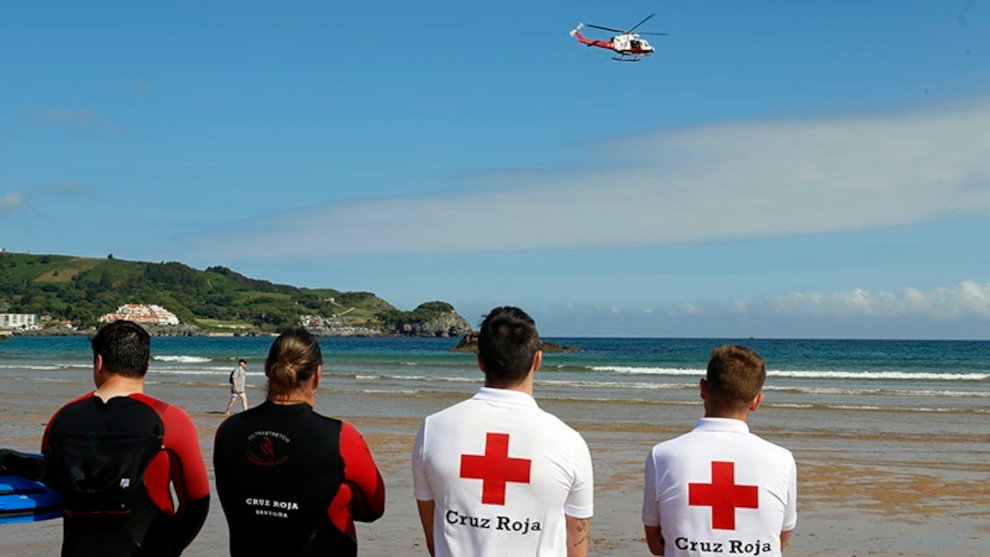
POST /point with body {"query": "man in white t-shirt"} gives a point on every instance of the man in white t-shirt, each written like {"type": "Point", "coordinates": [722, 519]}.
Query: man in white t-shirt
{"type": "Point", "coordinates": [495, 475]}
{"type": "Point", "coordinates": [720, 490]}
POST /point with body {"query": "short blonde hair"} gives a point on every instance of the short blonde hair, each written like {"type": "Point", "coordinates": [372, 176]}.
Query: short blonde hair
{"type": "Point", "coordinates": [735, 375]}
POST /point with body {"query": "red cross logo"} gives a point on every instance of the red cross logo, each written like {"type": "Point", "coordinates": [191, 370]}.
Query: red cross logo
{"type": "Point", "coordinates": [724, 496]}
{"type": "Point", "coordinates": [495, 468]}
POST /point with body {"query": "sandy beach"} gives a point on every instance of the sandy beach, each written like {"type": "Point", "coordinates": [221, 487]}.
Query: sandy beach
{"type": "Point", "coordinates": [915, 486]}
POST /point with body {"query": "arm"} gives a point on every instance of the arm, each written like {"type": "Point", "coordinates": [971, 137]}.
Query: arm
{"type": "Point", "coordinates": [422, 490]}
{"type": "Point", "coordinates": [654, 539]}
{"type": "Point", "coordinates": [362, 476]}
{"type": "Point", "coordinates": [651, 509]}
{"type": "Point", "coordinates": [426, 519]}
{"type": "Point", "coordinates": [578, 536]}
{"type": "Point", "coordinates": [579, 506]}
{"type": "Point", "coordinates": [187, 474]}
{"type": "Point", "coordinates": [790, 511]}
{"type": "Point", "coordinates": [785, 538]}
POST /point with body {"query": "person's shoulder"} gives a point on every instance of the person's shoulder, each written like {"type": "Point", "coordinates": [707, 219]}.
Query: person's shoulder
{"type": "Point", "coordinates": [169, 413]}
{"type": "Point", "coordinates": [673, 445]}
{"type": "Point", "coordinates": [452, 410]}
{"type": "Point", "coordinates": [83, 398]}
{"type": "Point", "coordinates": [554, 423]}
{"type": "Point", "coordinates": [66, 412]}
{"type": "Point", "coordinates": [770, 448]}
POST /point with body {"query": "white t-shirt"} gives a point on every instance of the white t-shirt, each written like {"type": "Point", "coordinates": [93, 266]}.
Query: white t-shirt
{"type": "Point", "coordinates": [502, 474]}
{"type": "Point", "coordinates": [720, 490]}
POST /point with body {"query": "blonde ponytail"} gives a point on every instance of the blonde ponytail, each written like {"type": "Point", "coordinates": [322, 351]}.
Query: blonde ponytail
{"type": "Point", "coordinates": [292, 360]}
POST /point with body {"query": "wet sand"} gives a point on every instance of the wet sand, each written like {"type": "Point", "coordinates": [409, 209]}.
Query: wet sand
{"type": "Point", "coordinates": [882, 483]}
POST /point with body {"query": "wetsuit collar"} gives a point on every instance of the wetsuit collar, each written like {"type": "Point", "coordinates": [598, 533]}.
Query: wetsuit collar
{"type": "Point", "coordinates": [722, 424]}
{"type": "Point", "coordinates": [504, 396]}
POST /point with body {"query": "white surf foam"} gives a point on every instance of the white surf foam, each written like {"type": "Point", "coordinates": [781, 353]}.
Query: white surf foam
{"type": "Point", "coordinates": [182, 359]}
{"type": "Point", "coordinates": [803, 374]}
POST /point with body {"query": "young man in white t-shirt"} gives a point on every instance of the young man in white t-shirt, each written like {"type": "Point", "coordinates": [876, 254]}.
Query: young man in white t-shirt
{"type": "Point", "coordinates": [720, 490]}
{"type": "Point", "coordinates": [495, 475]}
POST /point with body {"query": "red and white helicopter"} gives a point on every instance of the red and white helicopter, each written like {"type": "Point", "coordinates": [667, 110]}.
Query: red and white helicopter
{"type": "Point", "coordinates": [627, 44]}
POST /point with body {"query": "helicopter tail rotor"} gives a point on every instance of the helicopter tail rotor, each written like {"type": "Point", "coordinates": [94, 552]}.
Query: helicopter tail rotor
{"type": "Point", "coordinates": [576, 29]}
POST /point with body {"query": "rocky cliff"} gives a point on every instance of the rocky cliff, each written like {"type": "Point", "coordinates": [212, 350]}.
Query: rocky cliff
{"type": "Point", "coordinates": [431, 319]}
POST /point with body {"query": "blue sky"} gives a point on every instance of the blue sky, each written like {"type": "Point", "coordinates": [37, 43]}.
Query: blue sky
{"type": "Point", "coordinates": [776, 169]}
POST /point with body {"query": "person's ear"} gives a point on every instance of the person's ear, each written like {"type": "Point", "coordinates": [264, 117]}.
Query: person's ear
{"type": "Point", "coordinates": [481, 364]}
{"type": "Point", "coordinates": [97, 370]}
{"type": "Point", "coordinates": [537, 361]}
{"type": "Point", "coordinates": [756, 402]}
{"type": "Point", "coordinates": [703, 388]}
{"type": "Point", "coordinates": [316, 377]}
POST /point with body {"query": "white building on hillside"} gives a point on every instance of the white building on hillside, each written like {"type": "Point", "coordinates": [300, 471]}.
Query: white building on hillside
{"type": "Point", "coordinates": [18, 321]}
{"type": "Point", "coordinates": [150, 314]}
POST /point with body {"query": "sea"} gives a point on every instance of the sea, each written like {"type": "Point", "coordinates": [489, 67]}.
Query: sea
{"type": "Point", "coordinates": [912, 376]}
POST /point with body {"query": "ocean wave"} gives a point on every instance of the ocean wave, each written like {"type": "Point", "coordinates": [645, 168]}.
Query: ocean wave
{"type": "Point", "coordinates": [51, 367]}
{"type": "Point", "coordinates": [803, 374]}
{"type": "Point", "coordinates": [635, 386]}
{"type": "Point", "coordinates": [878, 392]}
{"type": "Point", "coordinates": [182, 359]}
{"type": "Point", "coordinates": [389, 392]}
{"type": "Point", "coordinates": [361, 377]}
{"type": "Point", "coordinates": [218, 371]}
{"type": "Point", "coordinates": [872, 408]}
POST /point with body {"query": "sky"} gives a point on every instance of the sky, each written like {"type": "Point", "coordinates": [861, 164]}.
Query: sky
{"type": "Point", "coordinates": [776, 169]}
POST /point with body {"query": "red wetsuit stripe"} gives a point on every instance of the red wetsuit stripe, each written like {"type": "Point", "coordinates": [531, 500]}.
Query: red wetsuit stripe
{"type": "Point", "coordinates": [181, 463]}
{"type": "Point", "coordinates": [362, 495]}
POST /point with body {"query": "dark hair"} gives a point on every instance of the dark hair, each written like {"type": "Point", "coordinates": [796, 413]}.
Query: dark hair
{"type": "Point", "coordinates": [125, 348]}
{"type": "Point", "coordinates": [507, 344]}
{"type": "Point", "coordinates": [292, 360]}
{"type": "Point", "coordinates": [735, 376]}
{"type": "Point", "coordinates": [242, 361]}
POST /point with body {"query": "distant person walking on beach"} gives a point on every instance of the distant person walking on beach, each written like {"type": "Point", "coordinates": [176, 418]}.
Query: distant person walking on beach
{"type": "Point", "coordinates": [128, 466]}
{"type": "Point", "coordinates": [495, 475]}
{"type": "Point", "coordinates": [291, 481]}
{"type": "Point", "coordinates": [720, 489]}
{"type": "Point", "coordinates": [237, 386]}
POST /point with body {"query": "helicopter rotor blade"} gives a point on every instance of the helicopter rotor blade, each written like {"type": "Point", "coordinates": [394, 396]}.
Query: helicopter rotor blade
{"type": "Point", "coordinates": [604, 28]}
{"type": "Point", "coordinates": [645, 19]}
{"type": "Point", "coordinates": [653, 34]}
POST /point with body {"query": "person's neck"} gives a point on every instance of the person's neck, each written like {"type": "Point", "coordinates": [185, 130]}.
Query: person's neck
{"type": "Point", "coordinates": [524, 387]}
{"type": "Point", "coordinates": [294, 397]}
{"type": "Point", "coordinates": [119, 385]}
{"type": "Point", "coordinates": [741, 416]}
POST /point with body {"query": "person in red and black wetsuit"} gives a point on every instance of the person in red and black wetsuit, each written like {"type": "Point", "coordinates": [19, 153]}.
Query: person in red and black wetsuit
{"type": "Point", "coordinates": [115, 454]}
{"type": "Point", "coordinates": [291, 481]}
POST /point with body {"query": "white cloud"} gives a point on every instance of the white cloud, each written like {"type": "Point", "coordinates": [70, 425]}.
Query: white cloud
{"type": "Point", "coordinates": [711, 183]}
{"type": "Point", "coordinates": [83, 118]}
{"type": "Point", "coordinates": [965, 300]}
{"type": "Point", "coordinates": [948, 312]}
{"type": "Point", "coordinates": [13, 202]}
{"type": "Point", "coordinates": [67, 187]}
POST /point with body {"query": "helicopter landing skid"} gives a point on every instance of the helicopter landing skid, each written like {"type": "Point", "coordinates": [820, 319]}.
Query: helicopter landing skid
{"type": "Point", "coordinates": [625, 59]}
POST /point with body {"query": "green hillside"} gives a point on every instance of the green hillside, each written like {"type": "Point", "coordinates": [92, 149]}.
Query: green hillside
{"type": "Point", "coordinates": [82, 289]}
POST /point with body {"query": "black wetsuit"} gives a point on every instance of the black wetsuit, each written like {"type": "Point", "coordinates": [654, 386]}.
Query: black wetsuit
{"type": "Point", "coordinates": [292, 482]}
{"type": "Point", "coordinates": [116, 465]}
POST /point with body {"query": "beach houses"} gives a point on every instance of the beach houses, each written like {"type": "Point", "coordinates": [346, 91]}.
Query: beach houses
{"type": "Point", "coordinates": [148, 314]}
{"type": "Point", "coordinates": [22, 321]}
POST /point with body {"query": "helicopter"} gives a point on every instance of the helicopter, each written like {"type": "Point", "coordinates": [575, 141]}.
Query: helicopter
{"type": "Point", "coordinates": [627, 44]}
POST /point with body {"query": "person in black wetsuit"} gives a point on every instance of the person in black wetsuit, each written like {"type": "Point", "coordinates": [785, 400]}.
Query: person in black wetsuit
{"type": "Point", "coordinates": [116, 455]}
{"type": "Point", "coordinates": [291, 481]}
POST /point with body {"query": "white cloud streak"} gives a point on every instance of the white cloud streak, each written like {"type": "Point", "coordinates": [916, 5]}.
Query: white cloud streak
{"type": "Point", "coordinates": [966, 300]}
{"type": "Point", "coordinates": [67, 187]}
{"type": "Point", "coordinates": [13, 202]}
{"type": "Point", "coordinates": [712, 183]}
{"type": "Point", "coordinates": [79, 119]}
